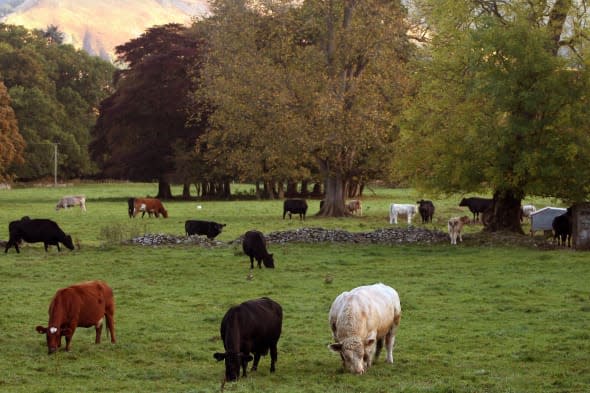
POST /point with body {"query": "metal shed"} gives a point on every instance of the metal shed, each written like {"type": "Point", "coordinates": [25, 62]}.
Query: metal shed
{"type": "Point", "coordinates": [542, 219]}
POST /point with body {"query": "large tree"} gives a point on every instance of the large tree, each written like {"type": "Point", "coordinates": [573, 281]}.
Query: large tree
{"type": "Point", "coordinates": [142, 123]}
{"type": "Point", "coordinates": [11, 142]}
{"type": "Point", "coordinates": [501, 104]}
{"type": "Point", "coordinates": [319, 82]}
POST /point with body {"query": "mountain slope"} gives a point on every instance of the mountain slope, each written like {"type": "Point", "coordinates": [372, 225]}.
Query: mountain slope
{"type": "Point", "coordinates": [99, 25]}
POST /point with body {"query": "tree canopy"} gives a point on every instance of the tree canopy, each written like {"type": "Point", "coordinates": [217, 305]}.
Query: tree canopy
{"type": "Point", "coordinates": [144, 120]}
{"type": "Point", "coordinates": [11, 141]}
{"type": "Point", "coordinates": [55, 91]}
{"type": "Point", "coordinates": [296, 89]}
{"type": "Point", "coordinates": [500, 104]}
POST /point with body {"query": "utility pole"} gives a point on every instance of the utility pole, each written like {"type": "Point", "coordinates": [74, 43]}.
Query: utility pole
{"type": "Point", "coordinates": [55, 164]}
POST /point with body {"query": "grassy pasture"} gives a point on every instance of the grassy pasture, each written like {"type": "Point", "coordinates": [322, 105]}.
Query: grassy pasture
{"type": "Point", "coordinates": [476, 318]}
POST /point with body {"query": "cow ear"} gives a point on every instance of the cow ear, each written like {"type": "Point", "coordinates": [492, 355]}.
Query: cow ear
{"type": "Point", "coordinates": [219, 356]}
{"type": "Point", "coordinates": [40, 329]}
{"type": "Point", "coordinates": [336, 347]}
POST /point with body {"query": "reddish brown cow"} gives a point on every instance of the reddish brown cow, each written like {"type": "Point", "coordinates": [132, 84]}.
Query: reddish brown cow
{"type": "Point", "coordinates": [85, 304]}
{"type": "Point", "coordinates": [149, 205]}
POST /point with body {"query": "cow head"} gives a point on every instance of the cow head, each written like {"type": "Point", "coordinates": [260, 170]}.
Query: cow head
{"type": "Point", "coordinates": [354, 353]}
{"type": "Point", "coordinates": [232, 363]}
{"type": "Point", "coordinates": [268, 261]}
{"type": "Point", "coordinates": [463, 202]}
{"type": "Point", "coordinates": [214, 230]}
{"type": "Point", "coordinates": [53, 335]}
{"type": "Point", "coordinates": [68, 242]}
{"type": "Point", "coordinates": [164, 213]}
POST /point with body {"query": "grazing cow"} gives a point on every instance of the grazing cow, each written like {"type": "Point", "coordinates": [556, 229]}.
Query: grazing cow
{"type": "Point", "coordinates": [149, 205]}
{"type": "Point", "coordinates": [426, 210]}
{"type": "Point", "coordinates": [562, 228]}
{"type": "Point", "coordinates": [526, 211]}
{"type": "Point", "coordinates": [295, 206]}
{"type": "Point", "coordinates": [361, 321]}
{"type": "Point", "coordinates": [254, 245]}
{"type": "Point", "coordinates": [251, 327]}
{"type": "Point", "coordinates": [455, 226]}
{"type": "Point", "coordinates": [85, 305]}
{"type": "Point", "coordinates": [476, 205]}
{"type": "Point", "coordinates": [71, 201]}
{"type": "Point", "coordinates": [37, 230]}
{"type": "Point", "coordinates": [198, 227]}
{"type": "Point", "coordinates": [397, 209]}
{"type": "Point", "coordinates": [355, 206]}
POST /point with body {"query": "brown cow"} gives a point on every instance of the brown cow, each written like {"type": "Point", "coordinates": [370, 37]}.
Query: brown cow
{"type": "Point", "coordinates": [85, 304]}
{"type": "Point", "coordinates": [149, 205]}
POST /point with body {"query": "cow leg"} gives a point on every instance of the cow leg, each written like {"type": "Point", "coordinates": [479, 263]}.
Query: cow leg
{"type": "Point", "coordinates": [256, 360]}
{"type": "Point", "coordinates": [378, 347]}
{"type": "Point", "coordinates": [57, 244]}
{"type": "Point", "coordinates": [251, 262]}
{"type": "Point", "coordinates": [390, 339]}
{"type": "Point", "coordinates": [110, 316]}
{"type": "Point", "coordinates": [273, 357]}
{"type": "Point", "coordinates": [46, 245]}
{"type": "Point", "coordinates": [244, 366]}
{"type": "Point", "coordinates": [69, 339]}
{"type": "Point", "coordinates": [98, 329]}
{"type": "Point", "coordinates": [259, 263]}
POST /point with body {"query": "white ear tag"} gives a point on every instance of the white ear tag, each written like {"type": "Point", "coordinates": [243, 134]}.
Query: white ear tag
{"type": "Point", "coordinates": [52, 330]}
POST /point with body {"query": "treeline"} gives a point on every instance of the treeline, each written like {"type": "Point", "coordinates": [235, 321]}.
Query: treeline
{"type": "Point", "coordinates": [54, 90]}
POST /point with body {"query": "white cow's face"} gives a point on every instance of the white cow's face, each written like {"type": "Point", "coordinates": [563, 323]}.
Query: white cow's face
{"type": "Point", "coordinates": [352, 352]}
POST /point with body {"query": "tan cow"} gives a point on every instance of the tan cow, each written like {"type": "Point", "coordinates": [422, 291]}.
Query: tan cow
{"type": "Point", "coordinates": [455, 226]}
{"type": "Point", "coordinates": [362, 320]}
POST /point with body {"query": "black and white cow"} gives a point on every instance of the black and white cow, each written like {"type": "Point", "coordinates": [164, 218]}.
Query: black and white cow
{"type": "Point", "coordinates": [198, 227]}
{"type": "Point", "coordinates": [251, 327]}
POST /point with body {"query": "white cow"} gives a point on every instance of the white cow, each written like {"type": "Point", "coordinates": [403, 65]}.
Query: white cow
{"type": "Point", "coordinates": [71, 201]}
{"type": "Point", "coordinates": [397, 209]}
{"type": "Point", "coordinates": [455, 227]}
{"type": "Point", "coordinates": [526, 211]}
{"type": "Point", "coordinates": [361, 318]}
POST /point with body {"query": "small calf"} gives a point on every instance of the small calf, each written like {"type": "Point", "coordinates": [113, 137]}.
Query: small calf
{"type": "Point", "coordinates": [455, 226]}
{"type": "Point", "coordinates": [355, 206]}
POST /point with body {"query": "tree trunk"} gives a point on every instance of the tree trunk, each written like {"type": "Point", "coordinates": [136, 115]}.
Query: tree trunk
{"type": "Point", "coordinates": [164, 190]}
{"type": "Point", "coordinates": [333, 206]}
{"type": "Point", "coordinates": [504, 214]}
{"type": "Point", "coordinates": [186, 191]}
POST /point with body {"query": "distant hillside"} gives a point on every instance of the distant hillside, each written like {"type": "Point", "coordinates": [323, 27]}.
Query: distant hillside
{"type": "Point", "coordinates": [99, 25]}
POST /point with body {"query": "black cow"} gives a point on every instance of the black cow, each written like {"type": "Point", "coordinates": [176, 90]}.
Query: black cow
{"type": "Point", "coordinates": [562, 228]}
{"type": "Point", "coordinates": [477, 205]}
{"type": "Point", "coordinates": [295, 206]}
{"type": "Point", "coordinates": [254, 245]}
{"type": "Point", "coordinates": [131, 206]}
{"type": "Point", "coordinates": [198, 227]}
{"type": "Point", "coordinates": [426, 210]}
{"type": "Point", "coordinates": [251, 327]}
{"type": "Point", "coordinates": [37, 230]}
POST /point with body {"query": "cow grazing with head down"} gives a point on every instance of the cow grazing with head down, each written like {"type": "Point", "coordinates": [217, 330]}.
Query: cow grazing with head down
{"type": "Point", "coordinates": [85, 305]}
{"type": "Point", "coordinates": [35, 231]}
{"type": "Point", "coordinates": [477, 205]}
{"type": "Point", "coordinates": [199, 227]}
{"type": "Point", "coordinates": [254, 246]}
{"type": "Point", "coordinates": [426, 210]}
{"type": "Point", "coordinates": [251, 327]}
{"type": "Point", "coordinates": [455, 226]}
{"type": "Point", "coordinates": [362, 320]}
{"type": "Point", "coordinates": [150, 206]}
{"type": "Point", "coordinates": [400, 209]}
{"type": "Point", "coordinates": [295, 206]}
{"type": "Point", "coordinates": [71, 201]}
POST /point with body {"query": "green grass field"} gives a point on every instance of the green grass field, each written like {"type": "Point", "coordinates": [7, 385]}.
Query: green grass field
{"type": "Point", "coordinates": [477, 317]}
